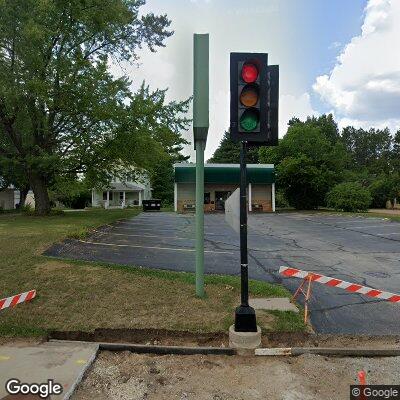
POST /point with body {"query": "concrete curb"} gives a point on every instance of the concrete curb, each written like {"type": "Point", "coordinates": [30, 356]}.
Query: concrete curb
{"type": "Point", "coordinates": [78, 380]}
{"type": "Point", "coordinates": [162, 350]}
{"type": "Point", "coordinates": [273, 351]}
{"type": "Point", "coordinates": [328, 351]}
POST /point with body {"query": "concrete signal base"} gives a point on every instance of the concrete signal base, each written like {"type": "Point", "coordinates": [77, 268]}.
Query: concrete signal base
{"type": "Point", "coordinates": [244, 342]}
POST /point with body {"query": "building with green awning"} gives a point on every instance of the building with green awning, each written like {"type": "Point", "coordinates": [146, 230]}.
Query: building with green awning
{"type": "Point", "coordinates": [220, 181]}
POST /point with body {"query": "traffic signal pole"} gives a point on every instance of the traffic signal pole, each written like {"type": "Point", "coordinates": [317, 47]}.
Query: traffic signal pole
{"type": "Point", "coordinates": [245, 316]}
{"type": "Point", "coordinates": [244, 262]}
{"type": "Point", "coordinates": [254, 87]}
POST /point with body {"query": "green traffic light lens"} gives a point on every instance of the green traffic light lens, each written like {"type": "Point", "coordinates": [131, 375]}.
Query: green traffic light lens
{"type": "Point", "coordinates": [249, 119]}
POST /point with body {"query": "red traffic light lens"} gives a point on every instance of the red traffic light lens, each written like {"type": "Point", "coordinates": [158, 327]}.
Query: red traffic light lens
{"type": "Point", "coordinates": [249, 73]}
{"type": "Point", "coordinates": [249, 95]}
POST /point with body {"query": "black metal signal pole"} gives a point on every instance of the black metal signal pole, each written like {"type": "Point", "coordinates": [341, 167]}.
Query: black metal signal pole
{"type": "Point", "coordinates": [245, 316]}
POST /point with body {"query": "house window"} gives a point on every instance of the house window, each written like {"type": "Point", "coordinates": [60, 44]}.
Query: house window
{"type": "Point", "coordinates": [104, 195]}
{"type": "Point", "coordinates": [111, 196]}
{"type": "Point", "coordinates": [121, 196]}
{"type": "Point", "coordinates": [207, 198]}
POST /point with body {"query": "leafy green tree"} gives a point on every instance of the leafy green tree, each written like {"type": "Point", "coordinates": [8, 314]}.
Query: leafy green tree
{"type": "Point", "coordinates": [384, 188]}
{"type": "Point", "coordinates": [396, 152]}
{"type": "Point", "coordinates": [349, 196]}
{"type": "Point", "coordinates": [370, 150]}
{"type": "Point", "coordinates": [228, 152]}
{"type": "Point", "coordinates": [61, 111]}
{"type": "Point", "coordinates": [303, 183]}
{"type": "Point", "coordinates": [309, 162]}
{"type": "Point", "coordinates": [163, 177]}
{"type": "Point", "coordinates": [71, 193]}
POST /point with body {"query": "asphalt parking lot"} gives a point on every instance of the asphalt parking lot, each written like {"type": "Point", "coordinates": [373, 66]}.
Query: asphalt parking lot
{"type": "Point", "coordinates": [357, 249]}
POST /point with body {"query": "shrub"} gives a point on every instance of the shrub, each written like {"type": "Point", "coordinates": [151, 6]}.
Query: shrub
{"type": "Point", "coordinates": [280, 200]}
{"type": "Point", "coordinates": [381, 191]}
{"type": "Point", "coordinates": [349, 196]}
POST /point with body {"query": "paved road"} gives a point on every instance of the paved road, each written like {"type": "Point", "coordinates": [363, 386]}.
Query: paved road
{"type": "Point", "coordinates": [357, 249]}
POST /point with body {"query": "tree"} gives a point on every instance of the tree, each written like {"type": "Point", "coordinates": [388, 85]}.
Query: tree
{"type": "Point", "coordinates": [384, 188]}
{"type": "Point", "coordinates": [228, 152]}
{"type": "Point", "coordinates": [325, 123]}
{"type": "Point", "coordinates": [163, 176]}
{"type": "Point", "coordinates": [309, 161]}
{"type": "Point", "coordinates": [71, 193]}
{"type": "Point", "coordinates": [61, 111]}
{"type": "Point", "coordinates": [370, 150]}
{"type": "Point", "coordinates": [11, 174]}
{"type": "Point", "coordinates": [349, 196]}
{"type": "Point", "coordinates": [396, 152]}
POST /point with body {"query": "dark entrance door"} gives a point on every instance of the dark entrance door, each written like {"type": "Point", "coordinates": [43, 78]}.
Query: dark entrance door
{"type": "Point", "coordinates": [220, 198]}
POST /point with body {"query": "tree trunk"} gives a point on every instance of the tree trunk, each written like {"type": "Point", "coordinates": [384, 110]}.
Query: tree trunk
{"type": "Point", "coordinates": [39, 187]}
{"type": "Point", "coordinates": [23, 192]}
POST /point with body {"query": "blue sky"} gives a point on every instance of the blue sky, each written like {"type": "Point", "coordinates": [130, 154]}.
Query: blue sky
{"type": "Point", "coordinates": [332, 54]}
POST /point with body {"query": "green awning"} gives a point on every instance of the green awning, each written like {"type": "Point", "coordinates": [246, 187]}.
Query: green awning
{"type": "Point", "coordinates": [225, 173]}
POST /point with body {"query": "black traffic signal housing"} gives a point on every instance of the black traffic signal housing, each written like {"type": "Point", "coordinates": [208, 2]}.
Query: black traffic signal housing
{"type": "Point", "coordinates": [254, 99]}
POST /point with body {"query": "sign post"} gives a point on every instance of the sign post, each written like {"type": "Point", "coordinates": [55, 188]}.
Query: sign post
{"type": "Point", "coordinates": [200, 131]}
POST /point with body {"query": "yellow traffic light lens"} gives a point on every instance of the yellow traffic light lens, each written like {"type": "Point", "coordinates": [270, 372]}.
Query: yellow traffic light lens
{"type": "Point", "coordinates": [249, 119]}
{"type": "Point", "coordinates": [249, 95]}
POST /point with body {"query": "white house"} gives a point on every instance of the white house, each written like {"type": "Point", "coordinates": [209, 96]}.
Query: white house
{"type": "Point", "coordinates": [123, 194]}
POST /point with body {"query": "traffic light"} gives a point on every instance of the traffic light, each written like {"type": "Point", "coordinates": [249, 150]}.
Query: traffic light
{"type": "Point", "coordinates": [254, 99]}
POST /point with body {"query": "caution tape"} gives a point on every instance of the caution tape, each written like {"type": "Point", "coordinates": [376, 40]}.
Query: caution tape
{"type": "Point", "coordinates": [333, 282]}
{"type": "Point", "coordinates": [17, 299]}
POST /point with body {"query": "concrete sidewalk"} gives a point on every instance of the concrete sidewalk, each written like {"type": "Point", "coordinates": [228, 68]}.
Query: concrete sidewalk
{"type": "Point", "coordinates": [65, 363]}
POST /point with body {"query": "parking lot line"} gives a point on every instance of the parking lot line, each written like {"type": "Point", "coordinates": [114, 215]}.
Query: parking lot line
{"type": "Point", "coordinates": [152, 247]}
{"type": "Point", "coordinates": [157, 230]}
{"type": "Point", "coordinates": [387, 234]}
{"type": "Point", "coordinates": [369, 220]}
{"type": "Point", "coordinates": [367, 226]}
{"type": "Point", "coordinates": [149, 236]}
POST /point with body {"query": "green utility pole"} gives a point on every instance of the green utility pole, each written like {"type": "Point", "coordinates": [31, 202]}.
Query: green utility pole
{"type": "Point", "coordinates": [200, 131]}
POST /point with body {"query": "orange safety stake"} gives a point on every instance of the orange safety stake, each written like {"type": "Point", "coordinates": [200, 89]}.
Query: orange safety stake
{"type": "Point", "coordinates": [362, 375]}
{"type": "Point", "coordinates": [306, 295]}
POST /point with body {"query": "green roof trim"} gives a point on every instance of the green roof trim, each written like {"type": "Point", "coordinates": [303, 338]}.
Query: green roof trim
{"type": "Point", "coordinates": [226, 173]}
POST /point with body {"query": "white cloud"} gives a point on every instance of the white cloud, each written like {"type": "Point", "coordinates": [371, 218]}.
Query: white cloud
{"type": "Point", "coordinates": [293, 106]}
{"type": "Point", "coordinates": [335, 45]}
{"type": "Point", "coordinates": [364, 86]}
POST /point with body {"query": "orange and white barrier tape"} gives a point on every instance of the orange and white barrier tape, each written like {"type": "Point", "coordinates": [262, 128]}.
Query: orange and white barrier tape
{"type": "Point", "coordinates": [333, 282]}
{"type": "Point", "coordinates": [17, 299]}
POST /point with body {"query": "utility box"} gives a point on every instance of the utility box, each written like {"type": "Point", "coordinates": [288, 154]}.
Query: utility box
{"type": "Point", "coordinates": [151, 205]}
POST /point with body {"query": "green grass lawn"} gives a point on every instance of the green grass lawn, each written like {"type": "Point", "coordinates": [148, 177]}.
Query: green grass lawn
{"type": "Point", "coordinates": [78, 295]}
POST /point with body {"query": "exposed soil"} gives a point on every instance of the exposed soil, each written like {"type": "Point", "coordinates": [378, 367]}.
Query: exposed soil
{"type": "Point", "coordinates": [127, 376]}
{"type": "Point", "coordinates": [146, 336]}
{"type": "Point", "coordinates": [218, 339]}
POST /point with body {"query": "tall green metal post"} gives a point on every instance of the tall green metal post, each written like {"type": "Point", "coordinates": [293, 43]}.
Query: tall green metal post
{"type": "Point", "coordinates": [200, 218]}
{"type": "Point", "coordinates": [200, 131]}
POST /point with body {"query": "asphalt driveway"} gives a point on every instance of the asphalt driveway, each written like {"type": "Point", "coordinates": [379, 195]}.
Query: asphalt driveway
{"type": "Point", "coordinates": [358, 249]}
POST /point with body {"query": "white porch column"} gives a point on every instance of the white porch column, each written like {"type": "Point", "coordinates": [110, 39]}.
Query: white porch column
{"type": "Point", "coordinates": [93, 205]}
{"type": "Point", "coordinates": [175, 197]}
{"type": "Point", "coordinates": [140, 198]}
{"type": "Point", "coordinates": [108, 199]}
{"type": "Point", "coordinates": [250, 198]}
{"type": "Point", "coordinates": [123, 199]}
{"type": "Point", "coordinates": [273, 196]}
